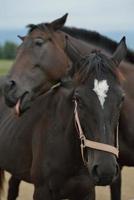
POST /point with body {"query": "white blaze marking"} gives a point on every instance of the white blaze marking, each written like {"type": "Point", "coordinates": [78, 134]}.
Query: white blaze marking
{"type": "Point", "coordinates": [101, 89]}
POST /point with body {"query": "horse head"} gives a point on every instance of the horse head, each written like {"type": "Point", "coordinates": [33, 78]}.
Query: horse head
{"type": "Point", "coordinates": [98, 99]}
{"type": "Point", "coordinates": [40, 63]}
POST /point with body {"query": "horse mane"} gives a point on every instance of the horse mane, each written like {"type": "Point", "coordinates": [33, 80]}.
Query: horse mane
{"type": "Point", "coordinates": [41, 26]}
{"type": "Point", "coordinates": [98, 64]}
{"type": "Point", "coordinates": [92, 37]}
{"type": "Point", "coordinates": [97, 39]}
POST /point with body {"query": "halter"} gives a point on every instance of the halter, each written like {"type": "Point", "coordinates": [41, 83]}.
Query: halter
{"type": "Point", "coordinates": [91, 144]}
{"type": "Point", "coordinates": [52, 88]}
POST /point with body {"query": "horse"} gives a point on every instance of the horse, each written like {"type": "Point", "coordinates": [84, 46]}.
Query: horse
{"type": "Point", "coordinates": [101, 72]}
{"type": "Point", "coordinates": [49, 68]}
{"type": "Point", "coordinates": [126, 127]}
{"type": "Point", "coordinates": [45, 36]}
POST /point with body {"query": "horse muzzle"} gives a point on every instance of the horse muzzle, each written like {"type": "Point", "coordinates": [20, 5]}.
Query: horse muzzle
{"type": "Point", "coordinates": [104, 168]}
{"type": "Point", "coordinates": [14, 97]}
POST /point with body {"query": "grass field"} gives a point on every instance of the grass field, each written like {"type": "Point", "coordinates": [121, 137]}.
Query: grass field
{"type": "Point", "coordinates": [5, 66]}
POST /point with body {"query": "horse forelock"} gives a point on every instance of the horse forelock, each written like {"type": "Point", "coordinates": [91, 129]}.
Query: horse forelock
{"type": "Point", "coordinates": [98, 64]}
{"type": "Point", "coordinates": [58, 39]}
{"type": "Point", "coordinates": [41, 26]}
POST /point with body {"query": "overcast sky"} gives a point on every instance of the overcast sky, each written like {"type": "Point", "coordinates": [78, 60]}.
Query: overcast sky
{"type": "Point", "coordinates": [102, 15]}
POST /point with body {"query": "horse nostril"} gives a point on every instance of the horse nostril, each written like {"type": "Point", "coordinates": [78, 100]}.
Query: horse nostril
{"type": "Point", "coordinates": [10, 85]}
{"type": "Point", "coordinates": [104, 173]}
{"type": "Point", "coordinates": [95, 173]}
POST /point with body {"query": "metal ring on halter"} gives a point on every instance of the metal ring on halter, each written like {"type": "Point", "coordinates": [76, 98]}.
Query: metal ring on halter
{"type": "Point", "coordinates": [83, 141]}
{"type": "Point", "coordinates": [83, 146]}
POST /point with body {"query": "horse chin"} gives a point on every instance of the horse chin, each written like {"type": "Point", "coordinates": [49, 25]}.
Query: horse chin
{"type": "Point", "coordinates": [23, 104]}
{"type": "Point", "coordinates": [104, 181]}
{"type": "Point", "coordinates": [100, 180]}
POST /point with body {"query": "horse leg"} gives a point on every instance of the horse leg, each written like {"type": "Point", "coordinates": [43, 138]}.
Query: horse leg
{"type": "Point", "coordinates": [90, 196]}
{"type": "Point", "coordinates": [42, 192]}
{"type": "Point", "coordinates": [2, 177]}
{"type": "Point", "coordinates": [78, 188]}
{"type": "Point", "coordinates": [13, 189]}
{"type": "Point", "coordinates": [115, 188]}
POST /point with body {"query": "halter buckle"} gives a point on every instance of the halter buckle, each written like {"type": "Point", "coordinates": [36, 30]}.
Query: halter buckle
{"type": "Point", "coordinates": [82, 138]}
{"type": "Point", "coordinates": [83, 145]}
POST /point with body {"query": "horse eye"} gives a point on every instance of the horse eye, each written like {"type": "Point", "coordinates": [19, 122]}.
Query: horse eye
{"type": "Point", "coordinates": [122, 98]}
{"type": "Point", "coordinates": [39, 41]}
{"type": "Point", "coordinates": [36, 66]}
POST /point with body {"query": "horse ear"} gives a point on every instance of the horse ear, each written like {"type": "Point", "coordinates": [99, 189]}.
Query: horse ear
{"type": "Point", "coordinates": [120, 52]}
{"type": "Point", "coordinates": [58, 23]}
{"type": "Point", "coordinates": [72, 52]}
{"type": "Point", "coordinates": [21, 37]}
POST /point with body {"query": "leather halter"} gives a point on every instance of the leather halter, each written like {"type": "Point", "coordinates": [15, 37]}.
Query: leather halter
{"type": "Point", "coordinates": [91, 144]}
{"type": "Point", "coordinates": [52, 88]}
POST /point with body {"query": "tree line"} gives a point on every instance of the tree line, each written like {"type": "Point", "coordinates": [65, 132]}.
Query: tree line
{"type": "Point", "coordinates": [8, 50]}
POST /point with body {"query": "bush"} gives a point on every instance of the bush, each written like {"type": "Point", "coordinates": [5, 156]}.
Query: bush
{"type": "Point", "coordinates": [8, 50]}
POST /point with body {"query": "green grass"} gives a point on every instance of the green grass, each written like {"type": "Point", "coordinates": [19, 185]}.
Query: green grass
{"type": "Point", "coordinates": [5, 65]}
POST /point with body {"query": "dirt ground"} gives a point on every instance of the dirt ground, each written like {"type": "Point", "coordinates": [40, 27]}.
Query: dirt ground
{"type": "Point", "coordinates": [26, 190]}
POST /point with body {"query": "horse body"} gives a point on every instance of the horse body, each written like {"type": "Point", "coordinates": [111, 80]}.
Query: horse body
{"type": "Point", "coordinates": [126, 129]}
{"type": "Point", "coordinates": [59, 152]}
{"type": "Point", "coordinates": [13, 135]}
{"type": "Point", "coordinates": [46, 153]}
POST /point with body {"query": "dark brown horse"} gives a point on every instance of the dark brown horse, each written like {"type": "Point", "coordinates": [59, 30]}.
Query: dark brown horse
{"type": "Point", "coordinates": [42, 165]}
{"type": "Point", "coordinates": [41, 54]}
{"type": "Point", "coordinates": [126, 126]}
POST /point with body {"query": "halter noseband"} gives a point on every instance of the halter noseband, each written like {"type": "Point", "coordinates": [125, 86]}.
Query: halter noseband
{"type": "Point", "coordinates": [91, 144]}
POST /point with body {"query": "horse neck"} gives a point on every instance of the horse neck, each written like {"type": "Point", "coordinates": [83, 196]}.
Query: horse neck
{"type": "Point", "coordinates": [127, 112]}
{"type": "Point", "coordinates": [97, 39]}
{"type": "Point", "coordinates": [65, 108]}
{"type": "Point", "coordinates": [83, 47]}
{"type": "Point", "coordinates": [69, 132]}
{"type": "Point", "coordinates": [58, 120]}
{"type": "Point", "coordinates": [59, 107]}
{"type": "Point", "coordinates": [127, 71]}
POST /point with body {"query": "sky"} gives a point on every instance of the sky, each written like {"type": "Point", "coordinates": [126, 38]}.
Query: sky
{"type": "Point", "coordinates": [99, 15]}
{"type": "Point", "coordinates": [94, 14]}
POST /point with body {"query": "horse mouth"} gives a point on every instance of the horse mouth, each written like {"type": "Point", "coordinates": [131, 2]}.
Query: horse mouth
{"type": "Point", "coordinates": [22, 104]}
{"type": "Point", "coordinates": [104, 181]}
